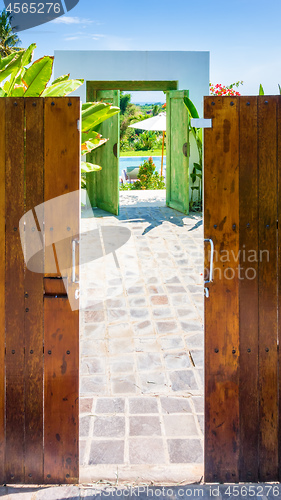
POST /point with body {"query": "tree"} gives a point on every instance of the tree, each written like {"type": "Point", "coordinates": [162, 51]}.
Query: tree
{"type": "Point", "coordinates": [124, 101]}
{"type": "Point", "coordinates": [9, 41]}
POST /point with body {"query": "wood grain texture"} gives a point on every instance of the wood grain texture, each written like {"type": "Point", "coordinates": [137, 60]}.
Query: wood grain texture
{"type": "Point", "coordinates": [2, 286]}
{"type": "Point", "coordinates": [33, 287]}
{"type": "Point", "coordinates": [268, 368]}
{"type": "Point", "coordinates": [248, 290]}
{"type": "Point", "coordinates": [61, 386]}
{"type": "Point", "coordinates": [61, 315]}
{"type": "Point", "coordinates": [103, 185]}
{"type": "Point", "coordinates": [14, 307]}
{"type": "Point", "coordinates": [221, 224]}
{"type": "Point", "coordinates": [279, 270]}
{"type": "Point", "coordinates": [177, 164]}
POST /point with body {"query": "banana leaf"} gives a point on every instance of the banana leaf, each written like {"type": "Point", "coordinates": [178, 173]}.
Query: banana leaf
{"type": "Point", "coordinates": [62, 88]}
{"type": "Point", "coordinates": [37, 76]}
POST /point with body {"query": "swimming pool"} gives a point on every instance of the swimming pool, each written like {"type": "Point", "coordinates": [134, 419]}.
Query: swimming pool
{"type": "Point", "coordinates": [136, 161]}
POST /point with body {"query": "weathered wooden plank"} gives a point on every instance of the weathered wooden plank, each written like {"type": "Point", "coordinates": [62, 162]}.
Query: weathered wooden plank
{"type": "Point", "coordinates": [14, 306]}
{"type": "Point", "coordinates": [103, 186]}
{"type": "Point", "coordinates": [268, 358]}
{"type": "Point", "coordinates": [61, 387]}
{"type": "Point", "coordinates": [221, 212]}
{"type": "Point", "coordinates": [2, 286]}
{"type": "Point", "coordinates": [177, 157]}
{"type": "Point", "coordinates": [33, 286]}
{"type": "Point", "coordinates": [62, 149]}
{"type": "Point", "coordinates": [132, 85]}
{"type": "Point", "coordinates": [279, 270]}
{"type": "Point", "coordinates": [248, 290]}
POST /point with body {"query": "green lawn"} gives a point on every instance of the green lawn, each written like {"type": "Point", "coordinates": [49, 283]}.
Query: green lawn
{"type": "Point", "coordinates": [156, 152]}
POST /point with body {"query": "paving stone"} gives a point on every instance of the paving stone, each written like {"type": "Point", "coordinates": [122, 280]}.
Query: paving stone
{"type": "Point", "coordinates": [82, 457]}
{"type": "Point", "coordinates": [187, 312]}
{"type": "Point", "coordinates": [122, 364]}
{"type": "Point", "coordinates": [198, 402]}
{"type": "Point", "coordinates": [149, 361]}
{"type": "Point", "coordinates": [143, 328]}
{"type": "Point", "coordinates": [176, 361]}
{"type": "Point", "coordinates": [93, 348]}
{"type": "Point", "coordinates": [166, 326]}
{"type": "Point", "coordinates": [159, 300]}
{"type": "Point", "coordinates": [94, 316]}
{"type": "Point", "coordinates": [191, 326]}
{"type": "Point", "coordinates": [147, 345]}
{"type": "Point", "coordinates": [84, 426]}
{"type": "Point", "coordinates": [92, 365]}
{"type": "Point", "coordinates": [106, 452]}
{"type": "Point", "coordinates": [155, 289]}
{"type": "Point", "coordinates": [120, 346]}
{"type": "Point", "coordinates": [93, 385]}
{"type": "Point", "coordinates": [94, 305]}
{"type": "Point", "coordinates": [174, 279]}
{"type": "Point", "coordinates": [201, 421]}
{"type": "Point", "coordinates": [143, 405]}
{"type": "Point", "coordinates": [136, 290]}
{"type": "Point", "coordinates": [139, 313]}
{"type": "Point", "coordinates": [180, 300]}
{"type": "Point", "coordinates": [180, 425]}
{"type": "Point", "coordinates": [195, 341]}
{"type": "Point", "coordinates": [145, 426]}
{"type": "Point", "coordinates": [116, 315]}
{"type": "Point", "coordinates": [183, 380]}
{"type": "Point", "coordinates": [198, 357]}
{"type": "Point", "coordinates": [124, 385]}
{"type": "Point", "coordinates": [146, 451]}
{"type": "Point", "coordinates": [170, 342]}
{"type": "Point", "coordinates": [85, 405]}
{"type": "Point", "coordinates": [110, 405]}
{"type": "Point", "coordinates": [162, 312]}
{"type": "Point", "coordinates": [120, 330]}
{"type": "Point", "coordinates": [185, 451]}
{"type": "Point", "coordinates": [95, 331]}
{"type": "Point", "coordinates": [115, 303]}
{"type": "Point", "coordinates": [112, 426]}
{"type": "Point", "coordinates": [153, 382]}
{"type": "Point", "coordinates": [175, 289]}
{"type": "Point", "coordinates": [175, 405]}
{"type": "Point", "coordinates": [137, 301]}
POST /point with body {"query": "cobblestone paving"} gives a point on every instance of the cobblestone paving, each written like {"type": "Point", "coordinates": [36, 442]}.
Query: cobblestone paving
{"type": "Point", "coordinates": [141, 339]}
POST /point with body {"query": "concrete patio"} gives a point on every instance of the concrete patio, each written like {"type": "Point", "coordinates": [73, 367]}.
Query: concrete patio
{"type": "Point", "coordinates": [141, 371]}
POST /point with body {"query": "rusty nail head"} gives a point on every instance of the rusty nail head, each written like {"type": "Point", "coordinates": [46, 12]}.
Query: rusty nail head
{"type": "Point", "coordinates": [13, 351]}
{"type": "Point", "coordinates": [52, 103]}
{"type": "Point", "coordinates": [26, 310]}
{"type": "Point", "coordinates": [267, 226]}
{"type": "Point", "coordinates": [248, 225]}
{"type": "Point", "coordinates": [15, 228]}
{"type": "Point", "coordinates": [216, 350]}
{"type": "Point", "coordinates": [15, 103]}
{"type": "Point", "coordinates": [266, 349]}
{"type": "Point", "coordinates": [234, 226]}
{"type": "Point", "coordinates": [213, 103]}
{"type": "Point", "coordinates": [29, 475]}
{"type": "Point", "coordinates": [232, 103]}
{"type": "Point", "coordinates": [68, 228]}
{"type": "Point", "coordinates": [70, 104]}
{"type": "Point", "coordinates": [233, 351]}
{"type": "Point", "coordinates": [49, 352]}
{"type": "Point", "coordinates": [34, 104]}
{"type": "Point", "coordinates": [48, 476]}
{"type": "Point", "coordinates": [51, 228]}
{"type": "Point", "coordinates": [249, 350]}
{"type": "Point", "coordinates": [265, 102]}
{"type": "Point", "coordinates": [67, 475]}
{"type": "Point", "coordinates": [248, 104]}
{"type": "Point", "coordinates": [215, 226]}
{"type": "Point", "coordinates": [67, 352]}
{"type": "Point", "coordinates": [26, 295]}
{"type": "Point", "coordinates": [31, 351]}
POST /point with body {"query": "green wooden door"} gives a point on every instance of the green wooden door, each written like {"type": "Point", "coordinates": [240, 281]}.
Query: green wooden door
{"type": "Point", "coordinates": [103, 186]}
{"type": "Point", "coordinates": [177, 155]}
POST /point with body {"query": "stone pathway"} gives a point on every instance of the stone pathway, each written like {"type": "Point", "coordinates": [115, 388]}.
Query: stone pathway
{"type": "Point", "coordinates": [141, 415]}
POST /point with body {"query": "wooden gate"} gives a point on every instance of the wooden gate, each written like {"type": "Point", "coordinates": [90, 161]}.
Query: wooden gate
{"type": "Point", "coordinates": [177, 159]}
{"type": "Point", "coordinates": [241, 210]}
{"type": "Point", "coordinates": [39, 315]}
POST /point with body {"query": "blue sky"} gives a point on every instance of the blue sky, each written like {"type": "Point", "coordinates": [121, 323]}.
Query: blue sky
{"type": "Point", "coordinates": [243, 36]}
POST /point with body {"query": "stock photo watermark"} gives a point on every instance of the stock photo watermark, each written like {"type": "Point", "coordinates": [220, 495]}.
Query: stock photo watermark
{"type": "Point", "coordinates": [27, 15]}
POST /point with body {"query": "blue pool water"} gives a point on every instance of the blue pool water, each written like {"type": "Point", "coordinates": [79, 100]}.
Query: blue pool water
{"type": "Point", "coordinates": [136, 161]}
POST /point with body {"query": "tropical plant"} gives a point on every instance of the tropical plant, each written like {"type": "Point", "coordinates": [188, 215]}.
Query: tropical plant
{"type": "Point", "coordinates": [197, 166]}
{"type": "Point", "coordinates": [9, 41]}
{"type": "Point", "coordinates": [148, 178]}
{"type": "Point", "coordinates": [225, 90]}
{"type": "Point", "coordinates": [20, 79]}
{"type": "Point", "coordinates": [261, 89]}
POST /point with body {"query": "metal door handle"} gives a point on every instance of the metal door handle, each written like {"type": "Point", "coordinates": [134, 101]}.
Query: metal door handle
{"type": "Point", "coordinates": [211, 261]}
{"type": "Point", "coordinates": [73, 277]}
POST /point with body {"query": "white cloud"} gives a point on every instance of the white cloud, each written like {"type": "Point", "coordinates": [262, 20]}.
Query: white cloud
{"type": "Point", "coordinates": [71, 20]}
{"type": "Point", "coordinates": [83, 36]}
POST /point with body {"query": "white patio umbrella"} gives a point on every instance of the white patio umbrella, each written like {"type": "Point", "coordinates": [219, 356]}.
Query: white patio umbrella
{"type": "Point", "coordinates": [157, 123]}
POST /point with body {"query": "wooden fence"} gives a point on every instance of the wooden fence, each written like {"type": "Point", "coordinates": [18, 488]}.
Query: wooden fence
{"type": "Point", "coordinates": [39, 161]}
{"type": "Point", "coordinates": [242, 362]}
